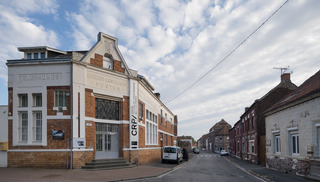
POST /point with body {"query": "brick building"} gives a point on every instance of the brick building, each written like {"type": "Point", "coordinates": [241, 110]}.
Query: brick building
{"type": "Point", "coordinates": [250, 130]}
{"type": "Point", "coordinates": [293, 131]}
{"type": "Point", "coordinates": [219, 136]}
{"type": "Point", "coordinates": [69, 107]}
{"type": "Point", "coordinates": [185, 142]}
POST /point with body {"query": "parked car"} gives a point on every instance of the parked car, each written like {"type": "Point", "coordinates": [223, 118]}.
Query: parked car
{"type": "Point", "coordinates": [196, 151]}
{"type": "Point", "coordinates": [223, 152]}
{"type": "Point", "coordinates": [172, 153]}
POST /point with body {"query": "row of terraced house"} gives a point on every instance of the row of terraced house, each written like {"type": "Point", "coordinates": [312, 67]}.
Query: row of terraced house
{"type": "Point", "coordinates": [281, 130]}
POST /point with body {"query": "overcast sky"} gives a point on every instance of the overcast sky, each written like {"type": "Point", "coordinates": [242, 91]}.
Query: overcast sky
{"type": "Point", "coordinates": [175, 42]}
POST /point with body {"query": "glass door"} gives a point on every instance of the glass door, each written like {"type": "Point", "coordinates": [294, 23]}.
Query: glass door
{"type": "Point", "coordinates": [107, 141]}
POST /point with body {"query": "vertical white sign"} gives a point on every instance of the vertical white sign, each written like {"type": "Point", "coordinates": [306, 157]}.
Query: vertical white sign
{"type": "Point", "coordinates": [134, 126]}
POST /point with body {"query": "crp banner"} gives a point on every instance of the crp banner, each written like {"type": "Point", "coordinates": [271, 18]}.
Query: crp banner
{"type": "Point", "coordinates": [134, 125]}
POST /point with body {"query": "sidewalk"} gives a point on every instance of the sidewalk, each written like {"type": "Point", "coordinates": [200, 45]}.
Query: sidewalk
{"type": "Point", "coordinates": [54, 175]}
{"type": "Point", "coordinates": [264, 173]}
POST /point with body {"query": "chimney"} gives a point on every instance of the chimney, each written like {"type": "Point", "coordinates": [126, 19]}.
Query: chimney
{"type": "Point", "coordinates": [158, 95]}
{"type": "Point", "coordinates": [285, 77]}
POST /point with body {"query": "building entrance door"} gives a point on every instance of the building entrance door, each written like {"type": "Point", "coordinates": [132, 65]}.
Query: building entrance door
{"type": "Point", "coordinates": [107, 141]}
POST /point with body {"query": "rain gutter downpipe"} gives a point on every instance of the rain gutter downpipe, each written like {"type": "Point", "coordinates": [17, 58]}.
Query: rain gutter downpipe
{"type": "Point", "coordinates": [71, 110]}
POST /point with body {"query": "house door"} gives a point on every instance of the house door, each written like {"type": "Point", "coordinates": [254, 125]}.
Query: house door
{"type": "Point", "coordinates": [107, 141]}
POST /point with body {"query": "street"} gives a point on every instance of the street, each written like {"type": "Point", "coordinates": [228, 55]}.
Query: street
{"type": "Point", "coordinates": [206, 166]}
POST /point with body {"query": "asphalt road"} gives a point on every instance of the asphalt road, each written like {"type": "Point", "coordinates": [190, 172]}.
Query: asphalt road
{"type": "Point", "coordinates": [206, 167]}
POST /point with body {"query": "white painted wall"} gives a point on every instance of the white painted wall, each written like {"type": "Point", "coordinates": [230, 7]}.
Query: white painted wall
{"type": "Point", "coordinates": [3, 134]}
{"type": "Point", "coordinates": [29, 79]}
{"type": "Point", "coordinates": [306, 117]}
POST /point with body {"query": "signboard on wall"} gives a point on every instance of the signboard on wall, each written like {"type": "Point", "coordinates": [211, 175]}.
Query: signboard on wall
{"type": "Point", "coordinates": [79, 142]}
{"type": "Point", "coordinates": [58, 134]}
{"type": "Point", "coordinates": [134, 125]}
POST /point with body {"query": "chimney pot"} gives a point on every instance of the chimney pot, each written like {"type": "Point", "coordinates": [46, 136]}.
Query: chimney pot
{"type": "Point", "coordinates": [158, 95]}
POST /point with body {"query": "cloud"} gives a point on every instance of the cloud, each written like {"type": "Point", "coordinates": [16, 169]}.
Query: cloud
{"type": "Point", "coordinates": [17, 30]}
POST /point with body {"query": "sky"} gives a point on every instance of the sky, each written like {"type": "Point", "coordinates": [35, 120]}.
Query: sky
{"type": "Point", "coordinates": [175, 42]}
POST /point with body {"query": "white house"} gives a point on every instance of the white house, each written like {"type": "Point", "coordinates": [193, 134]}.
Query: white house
{"type": "Point", "coordinates": [293, 130]}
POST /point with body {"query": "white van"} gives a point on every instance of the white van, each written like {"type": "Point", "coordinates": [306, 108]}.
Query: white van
{"type": "Point", "coordinates": [172, 153]}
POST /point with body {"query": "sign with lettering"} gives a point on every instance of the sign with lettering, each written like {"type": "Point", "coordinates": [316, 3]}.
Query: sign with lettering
{"type": "Point", "coordinates": [134, 125]}
{"type": "Point", "coordinates": [79, 142]}
{"type": "Point", "coordinates": [107, 82]}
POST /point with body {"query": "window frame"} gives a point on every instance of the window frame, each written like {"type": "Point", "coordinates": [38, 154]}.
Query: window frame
{"type": "Point", "coordinates": [277, 143]}
{"type": "Point", "coordinates": [294, 143]}
{"type": "Point", "coordinates": [23, 100]}
{"type": "Point", "coordinates": [57, 96]}
{"type": "Point", "coordinates": [37, 126]}
{"type": "Point", "coordinates": [151, 129]}
{"type": "Point", "coordinates": [23, 124]}
{"type": "Point", "coordinates": [36, 99]}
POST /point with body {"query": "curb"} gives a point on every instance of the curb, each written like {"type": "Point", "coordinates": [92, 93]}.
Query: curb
{"type": "Point", "coordinates": [258, 176]}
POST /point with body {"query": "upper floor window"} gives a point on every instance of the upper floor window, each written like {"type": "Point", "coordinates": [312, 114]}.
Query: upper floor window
{"type": "Point", "coordinates": [29, 56]}
{"type": "Point", "coordinates": [140, 111]}
{"type": "Point", "coordinates": [23, 100]}
{"type": "Point", "coordinates": [35, 55]}
{"type": "Point", "coordinates": [60, 99]}
{"type": "Point", "coordinates": [37, 100]}
{"type": "Point", "coordinates": [107, 63]}
{"type": "Point", "coordinates": [43, 55]}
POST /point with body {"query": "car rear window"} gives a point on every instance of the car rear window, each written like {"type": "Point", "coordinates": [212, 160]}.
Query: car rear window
{"type": "Point", "coordinates": [170, 150]}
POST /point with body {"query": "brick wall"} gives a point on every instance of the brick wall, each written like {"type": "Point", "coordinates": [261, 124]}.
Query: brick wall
{"type": "Point", "coordinates": [97, 60]}
{"type": "Point", "coordinates": [90, 108]}
{"type": "Point", "coordinates": [117, 66]}
{"type": "Point", "coordinates": [141, 137]}
{"type": "Point", "coordinates": [301, 167]}
{"type": "Point", "coordinates": [50, 99]}
{"type": "Point", "coordinates": [80, 159]}
{"type": "Point", "coordinates": [38, 159]}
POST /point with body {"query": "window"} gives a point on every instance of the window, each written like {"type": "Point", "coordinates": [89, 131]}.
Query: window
{"type": "Point", "coordinates": [107, 63]}
{"type": "Point", "coordinates": [147, 114]}
{"type": "Point", "coordinates": [294, 144]}
{"type": "Point", "coordinates": [140, 111]}
{"type": "Point", "coordinates": [107, 109]}
{"type": "Point", "coordinates": [151, 133]}
{"type": "Point", "coordinates": [23, 100]}
{"type": "Point", "coordinates": [161, 115]}
{"type": "Point", "coordinates": [29, 56]}
{"type": "Point", "coordinates": [243, 147]}
{"type": "Point", "coordinates": [251, 147]}
{"type": "Point", "coordinates": [165, 140]}
{"type": "Point", "coordinates": [37, 100]}
{"type": "Point", "coordinates": [35, 55]}
{"type": "Point", "coordinates": [60, 99]}
{"type": "Point", "coordinates": [43, 55]}
{"type": "Point", "coordinates": [37, 126]}
{"type": "Point", "coordinates": [23, 127]}
{"type": "Point", "coordinates": [252, 119]}
{"type": "Point", "coordinates": [277, 145]}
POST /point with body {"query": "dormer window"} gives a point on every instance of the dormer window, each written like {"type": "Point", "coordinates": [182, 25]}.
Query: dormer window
{"type": "Point", "coordinates": [107, 63]}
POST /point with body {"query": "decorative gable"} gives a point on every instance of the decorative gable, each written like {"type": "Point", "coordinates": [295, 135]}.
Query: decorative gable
{"type": "Point", "coordinates": [105, 54]}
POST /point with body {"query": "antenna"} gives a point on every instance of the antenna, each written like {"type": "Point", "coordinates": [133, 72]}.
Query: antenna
{"type": "Point", "coordinates": [282, 70]}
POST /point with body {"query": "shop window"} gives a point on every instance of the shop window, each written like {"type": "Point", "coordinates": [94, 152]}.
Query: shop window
{"type": "Point", "coordinates": [23, 100]}
{"type": "Point", "coordinates": [60, 100]}
{"type": "Point", "coordinates": [23, 127]}
{"type": "Point", "coordinates": [37, 100]}
{"type": "Point", "coordinates": [107, 109]}
{"type": "Point", "coordinates": [37, 126]}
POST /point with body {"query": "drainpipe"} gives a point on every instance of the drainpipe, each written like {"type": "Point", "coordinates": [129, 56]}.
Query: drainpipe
{"type": "Point", "coordinates": [71, 109]}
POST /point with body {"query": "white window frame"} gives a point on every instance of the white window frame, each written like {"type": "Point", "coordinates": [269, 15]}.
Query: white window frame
{"type": "Point", "coordinates": [251, 144]}
{"type": "Point", "coordinates": [107, 63]}
{"type": "Point", "coordinates": [277, 143]}
{"type": "Point", "coordinates": [23, 100]}
{"type": "Point", "coordinates": [151, 129]}
{"type": "Point", "coordinates": [294, 143]}
{"type": "Point", "coordinates": [37, 101]}
{"type": "Point", "coordinates": [23, 137]}
{"type": "Point", "coordinates": [63, 106]}
{"type": "Point", "coordinates": [37, 124]}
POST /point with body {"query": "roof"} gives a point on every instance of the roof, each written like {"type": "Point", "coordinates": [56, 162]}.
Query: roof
{"type": "Point", "coordinates": [220, 128]}
{"type": "Point", "coordinates": [310, 87]}
{"type": "Point", "coordinates": [24, 49]}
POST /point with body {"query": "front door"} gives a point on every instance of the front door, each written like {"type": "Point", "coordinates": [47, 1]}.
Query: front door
{"type": "Point", "coordinates": [107, 141]}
